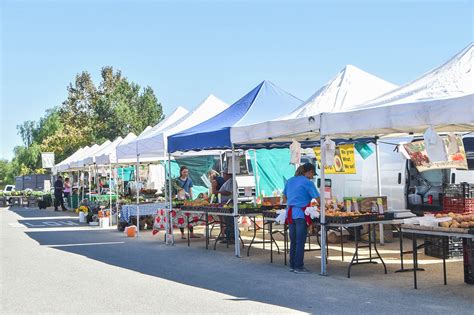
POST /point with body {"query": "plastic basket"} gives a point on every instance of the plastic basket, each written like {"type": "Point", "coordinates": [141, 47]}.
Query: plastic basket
{"type": "Point", "coordinates": [434, 247]}
{"type": "Point", "coordinates": [458, 204]}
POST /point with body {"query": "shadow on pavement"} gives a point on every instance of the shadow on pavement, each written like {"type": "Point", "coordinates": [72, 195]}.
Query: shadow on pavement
{"type": "Point", "coordinates": [258, 281]}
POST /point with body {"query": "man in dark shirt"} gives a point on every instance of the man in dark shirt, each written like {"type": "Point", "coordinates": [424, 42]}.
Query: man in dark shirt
{"type": "Point", "coordinates": [58, 194]}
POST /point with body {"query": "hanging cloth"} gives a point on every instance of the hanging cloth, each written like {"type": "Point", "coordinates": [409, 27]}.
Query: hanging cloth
{"type": "Point", "coordinates": [295, 151]}
{"type": "Point", "coordinates": [330, 148]}
{"type": "Point", "coordinates": [434, 146]}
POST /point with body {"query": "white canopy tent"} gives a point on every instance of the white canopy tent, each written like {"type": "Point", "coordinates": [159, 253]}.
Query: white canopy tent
{"type": "Point", "coordinates": [109, 154]}
{"type": "Point", "coordinates": [76, 163]}
{"type": "Point", "coordinates": [126, 153]}
{"type": "Point", "coordinates": [442, 98]}
{"type": "Point", "coordinates": [154, 144]}
{"type": "Point", "coordinates": [90, 157]}
{"type": "Point", "coordinates": [64, 165]}
{"type": "Point", "coordinates": [351, 86]}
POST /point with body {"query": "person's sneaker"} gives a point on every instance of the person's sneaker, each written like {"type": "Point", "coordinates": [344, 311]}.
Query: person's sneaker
{"type": "Point", "coordinates": [302, 271]}
{"type": "Point", "coordinates": [291, 269]}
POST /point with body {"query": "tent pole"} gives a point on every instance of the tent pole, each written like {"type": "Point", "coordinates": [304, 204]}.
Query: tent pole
{"type": "Point", "coordinates": [235, 200]}
{"type": "Point", "coordinates": [379, 185]}
{"type": "Point", "coordinates": [89, 181]}
{"type": "Point", "coordinates": [137, 176]}
{"type": "Point", "coordinates": [169, 228]}
{"type": "Point", "coordinates": [257, 177]}
{"type": "Point", "coordinates": [110, 194]}
{"type": "Point", "coordinates": [322, 192]}
{"type": "Point", "coordinates": [117, 191]}
{"type": "Point", "coordinates": [166, 196]}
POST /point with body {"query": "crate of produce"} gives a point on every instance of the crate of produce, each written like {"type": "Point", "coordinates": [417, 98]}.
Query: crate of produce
{"type": "Point", "coordinates": [462, 190]}
{"type": "Point", "coordinates": [458, 204]}
{"type": "Point", "coordinates": [452, 246]}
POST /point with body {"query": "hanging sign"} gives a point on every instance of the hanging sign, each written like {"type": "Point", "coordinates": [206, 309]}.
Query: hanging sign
{"type": "Point", "coordinates": [47, 159]}
{"type": "Point", "coordinates": [344, 160]}
{"type": "Point", "coordinates": [454, 148]}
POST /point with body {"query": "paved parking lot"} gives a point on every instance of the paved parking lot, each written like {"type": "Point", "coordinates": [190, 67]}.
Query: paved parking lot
{"type": "Point", "coordinates": [51, 263]}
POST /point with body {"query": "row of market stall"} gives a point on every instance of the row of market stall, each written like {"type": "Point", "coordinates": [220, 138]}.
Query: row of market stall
{"type": "Point", "coordinates": [354, 107]}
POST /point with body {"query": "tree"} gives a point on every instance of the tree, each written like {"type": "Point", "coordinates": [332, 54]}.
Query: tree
{"type": "Point", "coordinates": [6, 173]}
{"type": "Point", "coordinates": [90, 114]}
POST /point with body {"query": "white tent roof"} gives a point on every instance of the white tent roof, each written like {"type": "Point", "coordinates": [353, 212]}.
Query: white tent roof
{"type": "Point", "coordinates": [64, 165]}
{"type": "Point", "coordinates": [153, 145]}
{"type": "Point", "coordinates": [127, 152]}
{"type": "Point", "coordinates": [109, 154]}
{"type": "Point", "coordinates": [349, 87]}
{"type": "Point", "coordinates": [454, 78]}
{"type": "Point", "coordinates": [90, 157]}
{"type": "Point", "coordinates": [442, 98]}
{"type": "Point", "coordinates": [107, 149]}
{"type": "Point", "coordinates": [76, 163]}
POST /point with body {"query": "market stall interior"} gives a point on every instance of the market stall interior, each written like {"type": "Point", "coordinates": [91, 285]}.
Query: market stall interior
{"type": "Point", "coordinates": [412, 147]}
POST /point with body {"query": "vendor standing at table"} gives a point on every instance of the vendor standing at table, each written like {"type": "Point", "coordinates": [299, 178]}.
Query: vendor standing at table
{"type": "Point", "coordinates": [58, 194]}
{"type": "Point", "coordinates": [298, 193]}
{"type": "Point", "coordinates": [227, 191]}
{"type": "Point", "coordinates": [185, 192]}
{"type": "Point", "coordinates": [67, 190]}
{"type": "Point", "coordinates": [216, 182]}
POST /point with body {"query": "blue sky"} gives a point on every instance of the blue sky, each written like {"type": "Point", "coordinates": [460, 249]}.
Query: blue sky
{"type": "Point", "coordinates": [187, 49]}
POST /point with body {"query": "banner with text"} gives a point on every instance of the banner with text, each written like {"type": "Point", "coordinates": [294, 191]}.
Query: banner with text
{"type": "Point", "coordinates": [344, 160]}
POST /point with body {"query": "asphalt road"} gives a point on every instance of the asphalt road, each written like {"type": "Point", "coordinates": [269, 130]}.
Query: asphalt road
{"type": "Point", "coordinates": [50, 263]}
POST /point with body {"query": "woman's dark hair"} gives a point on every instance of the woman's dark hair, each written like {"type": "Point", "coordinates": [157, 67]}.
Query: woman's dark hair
{"type": "Point", "coordinates": [181, 170]}
{"type": "Point", "coordinates": [306, 167]}
{"type": "Point", "coordinates": [66, 179]}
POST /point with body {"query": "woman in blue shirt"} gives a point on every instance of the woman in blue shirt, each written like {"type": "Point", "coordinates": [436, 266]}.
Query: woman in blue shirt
{"type": "Point", "coordinates": [186, 184]}
{"type": "Point", "coordinates": [298, 193]}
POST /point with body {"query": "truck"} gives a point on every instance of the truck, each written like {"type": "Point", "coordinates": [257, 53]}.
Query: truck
{"type": "Point", "coordinates": [405, 187]}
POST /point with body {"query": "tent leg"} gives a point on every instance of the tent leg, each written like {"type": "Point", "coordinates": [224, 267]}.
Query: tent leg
{"type": "Point", "coordinates": [322, 188]}
{"type": "Point", "coordinates": [379, 187]}
{"type": "Point", "coordinates": [235, 200]}
{"type": "Point", "coordinates": [110, 195]}
{"type": "Point", "coordinates": [137, 176]}
{"type": "Point", "coordinates": [257, 177]}
{"type": "Point", "coordinates": [169, 229]}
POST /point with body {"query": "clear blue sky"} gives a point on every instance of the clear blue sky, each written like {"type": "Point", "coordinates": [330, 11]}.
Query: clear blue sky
{"type": "Point", "coordinates": [187, 49]}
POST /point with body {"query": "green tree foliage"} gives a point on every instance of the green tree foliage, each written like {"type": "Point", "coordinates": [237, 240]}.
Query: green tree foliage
{"type": "Point", "coordinates": [6, 173]}
{"type": "Point", "coordinates": [90, 114]}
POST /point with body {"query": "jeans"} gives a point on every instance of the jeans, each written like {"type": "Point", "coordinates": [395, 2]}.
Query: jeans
{"type": "Point", "coordinates": [298, 233]}
{"type": "Point", "coordinates": [67, 196]}
{"type": "Point", "coordinates": [229, 228]}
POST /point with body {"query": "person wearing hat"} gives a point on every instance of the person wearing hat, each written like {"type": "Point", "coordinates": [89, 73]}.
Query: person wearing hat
{"type": "Point", "coordinates": [298, 193]}
{"type": "Point", "coordinates": [226, 192]}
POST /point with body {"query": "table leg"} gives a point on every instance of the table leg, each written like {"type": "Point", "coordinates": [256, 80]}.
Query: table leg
{"type": "Point", "coordinates": [187, 221]}
{"type": "Point", "coordinates": [415, 259]}
{"type": "Point", "coordinates": [342, 245]}
{"type": "Point", "coordinates": [445, 243]}
{"type": "Point", "coordinates": [377, 251]}
{"type": "Point", "coordinates": [285, 241]}
{"type": "Point", "coordinates": [271, 240]}
{"type": "Point", "coordinates": [356, 253]}
{"type": "Point", "coordinates": [207, 230]}
{"type": "Point", "coordinates": [370, 241]}
{"type": "Point", "coordinates": [254, 220]}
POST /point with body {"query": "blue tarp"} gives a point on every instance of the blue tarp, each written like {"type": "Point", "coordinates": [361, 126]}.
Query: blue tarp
{"type": "Point", "coordinates": [265, 102]}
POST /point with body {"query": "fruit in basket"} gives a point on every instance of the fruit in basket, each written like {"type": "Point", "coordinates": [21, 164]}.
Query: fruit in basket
{"type": "Point", "coordinates": [445, 224]}
{"type": "Point", "coordinates": [471, 224]}
{"type": "Point", "coordinates": [465, 225]}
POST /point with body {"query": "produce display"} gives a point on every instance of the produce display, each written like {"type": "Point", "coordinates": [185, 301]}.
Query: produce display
{"type": "Point", "coordinates": [458, 221]}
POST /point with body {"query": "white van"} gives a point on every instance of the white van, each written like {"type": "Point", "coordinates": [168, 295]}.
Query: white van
{"type": "Point", "coordinates": [400, 179]}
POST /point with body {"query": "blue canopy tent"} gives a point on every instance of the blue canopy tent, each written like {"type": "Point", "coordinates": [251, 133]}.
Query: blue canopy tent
{"type": "Point", "coordinates": [265, 102]}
